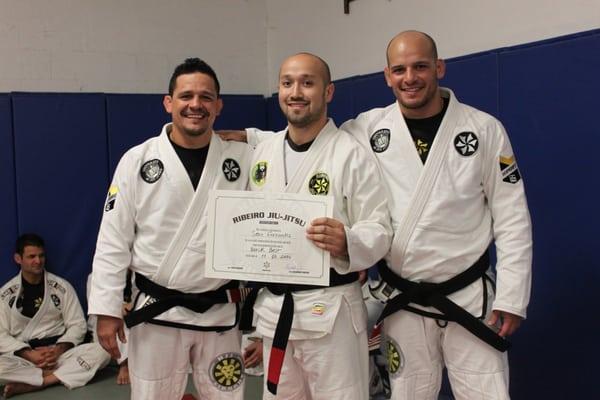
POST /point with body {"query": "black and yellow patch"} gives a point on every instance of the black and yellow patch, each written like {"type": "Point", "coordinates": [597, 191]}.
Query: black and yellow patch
{"type": "Point", "coordinates": [227, 372]}
{"type": "Point", "coordinates": [466, 143]}
{"type": "Point", "coordinates": [422, 147]}
{"type": "Point", "coordinates": [152, 170]}
{"type": "Point", "coordinates": [231, 169]}
{"type": "Point", "coordinates": [259, 173]}
{"type": "Point", "coordinates": [394, 356]}
{"type": "Point", "coordinates": [319, 184]}
{"type": "Point", "coordinates": [509, 170]}
{"type": "Point", "coordinates": [380, 140]}
{"type": "Point", "coordinates": [111, 198]}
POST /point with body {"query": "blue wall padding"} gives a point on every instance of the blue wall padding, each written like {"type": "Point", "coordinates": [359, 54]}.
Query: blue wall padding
{"type": "Point", "coordinates": [241, 111]}
{"type": "Point", "coordinates": [371, 91]}
{"type": "Point", "coordinates": [474, 80]}
{"type": "Point", "coordinates": [61, 171]}
{"type": "Point", "coordinates": [8, 208]}
{"type": "Point", "coordinates": [341, 107]}
{"type": "Point", "coordinates": [275, 119]}
{"type": "Point", "coordinates": [131, 119]}
{"type": "Point", "coordinates": [549, 102]}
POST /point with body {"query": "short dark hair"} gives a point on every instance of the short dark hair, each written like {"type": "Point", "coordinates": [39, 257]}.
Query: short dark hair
{"type": "Point", "coordinates": [190, 66]}
{"type": "Point", "coordinates": [28, 239]}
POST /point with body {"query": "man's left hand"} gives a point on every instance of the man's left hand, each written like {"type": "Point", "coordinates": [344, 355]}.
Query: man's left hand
{"type": "Point", "coordinates": [509, 322]}
{"type": "Point", "coordinates": [328, 234]}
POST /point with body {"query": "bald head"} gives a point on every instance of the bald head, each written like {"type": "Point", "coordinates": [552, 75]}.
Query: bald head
{"type": "Point", "coordinates": [315, 63]}
{"type": "Point", "coordinates": [413, 40]}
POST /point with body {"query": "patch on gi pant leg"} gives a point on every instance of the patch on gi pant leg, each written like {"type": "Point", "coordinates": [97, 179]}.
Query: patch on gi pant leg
{"type": "Point", "coordinates": [259, 173]}
{"type": "Point", "coordinates": [231, 169]}
{"type": "Point", "coordinates": [83, 364]}
{"type": "Point", "coordinates": [380, 140]}
{"type": "Point", "coordinates": [510, 171]}
{"type": "Point", "coordinates": [152, 170]}
{"type": "Point", "coordinates": [466, 143]}
{"type": "Point", "coordinates": [395, 358]}
{"type": "Point", "coordinates": [319, 184]}
{"type": "Point", "coordinates": [111, 198]}
{"type": "Point", "coordinates": [226, 372]}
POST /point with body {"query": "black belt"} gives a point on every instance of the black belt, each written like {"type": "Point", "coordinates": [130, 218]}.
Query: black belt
{"type": "Point", "coordinates": [33, 343]}
{"type": "Point", "coordinates": [434, 295]}
{"type": "Point", "coordinates": [286, 317]}
{"type": "Point", "coordinates": [166, 299]}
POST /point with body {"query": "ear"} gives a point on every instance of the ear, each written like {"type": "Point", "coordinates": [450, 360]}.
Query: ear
{"type": "Point", "coordinates": [219, 105]}
{"type": "Point", "coordinates": [329, 90]}
{"type": "Point", "coordinates": [18, 258]}
{"type": "Point", "coordinates": [168, 103]}
{"type": "Point", "coordinates": [386, 73]}
{"type": "Point", "coordinates": [440, 68]}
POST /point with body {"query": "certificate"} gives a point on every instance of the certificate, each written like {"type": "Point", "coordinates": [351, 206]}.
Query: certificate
{"type": "Point", "coordinates": [261, 236]}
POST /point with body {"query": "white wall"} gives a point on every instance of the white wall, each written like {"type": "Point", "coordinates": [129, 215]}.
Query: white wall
{"type": "Point", "coordinates": [131, 46]}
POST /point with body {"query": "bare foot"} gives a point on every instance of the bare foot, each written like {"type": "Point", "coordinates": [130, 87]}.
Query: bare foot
{"type": "Point", "coordinates": [17, 388]}
{"type": "Point", "coordinates": [123, 375]}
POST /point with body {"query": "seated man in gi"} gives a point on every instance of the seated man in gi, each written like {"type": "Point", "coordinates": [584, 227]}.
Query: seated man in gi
{"type": "Point", "coordinates": [41, 328]}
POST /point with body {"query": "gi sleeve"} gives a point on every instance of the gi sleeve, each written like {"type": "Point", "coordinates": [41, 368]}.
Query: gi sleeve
{"type": "Point", "coordinates": [115, 241]}
{"type": "Point", "coordinates": [8, 344]}
{"type": "Point", "coordinates": [369, 231]}
{"type": "Point", "coordinates": [74, 321]}
{"type": "Point", "coordinates": [254, 136]}
{"type": "Point", "coordinates": [505, 193]}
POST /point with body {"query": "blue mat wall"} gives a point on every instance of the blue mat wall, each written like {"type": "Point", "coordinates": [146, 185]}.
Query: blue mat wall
{"type": "Point", "coordinates": [57, 152]}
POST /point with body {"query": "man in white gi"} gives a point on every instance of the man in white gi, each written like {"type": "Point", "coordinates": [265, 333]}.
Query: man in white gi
{"type": "Point", "coordinates": [454, 187]}
{"type": "Point", "coordinates": [154, 223]}
{"type": "Point", "coordinates": [41, 328]}
{"type": "Point", "coordinates": [326, 356]}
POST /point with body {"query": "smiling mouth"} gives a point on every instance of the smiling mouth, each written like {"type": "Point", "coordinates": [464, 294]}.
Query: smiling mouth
{"type": "Point", "coordinates": [412, 89]}
{"type": "Point", "coordinates": [199, 116]}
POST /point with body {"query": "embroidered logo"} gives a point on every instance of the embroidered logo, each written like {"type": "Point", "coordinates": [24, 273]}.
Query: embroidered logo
{"type": "Point", "coordinates": [259, 173]}
{"type": "Point", "coordinates": [380, 140]}
{"type": "Point", "coordinates": [83, 364]}
{"type": "Point", "coordinates": [466, 143]}
{"type": "Point", "coordinates": [231, 169]}
{"type": "Point", "coordinates": [319, 184]}
{"type": "Point", "coordinates": [152, 170]}
{"type": "Point", "coordinates": [394, 356]}
{"type": "Point", "coordinates": [227, 372]}
{"type": "Point", "coordinates": [422, 147]}
{"type": "Point", "coordinates": [318, 309]}
{"type": "Point", "coordinates": [55, 300]}
{"type": "Point", "coordinates": [510, 171]}
{"type": "Point", "coordinates": [111, 198]}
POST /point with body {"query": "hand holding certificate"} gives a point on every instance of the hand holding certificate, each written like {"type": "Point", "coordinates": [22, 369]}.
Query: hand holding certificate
{"type": "Point", "coordinates": [261, 236]}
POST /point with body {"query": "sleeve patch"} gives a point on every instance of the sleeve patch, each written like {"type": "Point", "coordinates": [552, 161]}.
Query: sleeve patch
{"type": "Point", "coordinates": [509, 170]}
{"type": "Point", "coordinates": [111, 198]}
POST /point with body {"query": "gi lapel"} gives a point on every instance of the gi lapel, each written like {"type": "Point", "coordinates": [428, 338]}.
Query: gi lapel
{"type": "Point", "coordinates": [193, 214]}
{"type": "Point", "coordinates": [30, 330]}
{"type": "Point", "coordinates": [435, 161]}
{"type": "Point", "coordinates": [308, 163]}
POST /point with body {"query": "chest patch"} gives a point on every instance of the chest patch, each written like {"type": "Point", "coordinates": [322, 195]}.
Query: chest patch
{"type": "Point", "coordinates": [319, 184]}
{"type": "Point", "coordinates": [152, 170]}
{"type": "Point", "coordinates": [380, 140]}
{"type": "Point", "coordinates": [466, 143]}
{"type": "Point", "coordinates": [259, 173]}
{"type": "Point", "coordinates": [55, 300]}
{"type": "Point", "coordinates": [231, 169]}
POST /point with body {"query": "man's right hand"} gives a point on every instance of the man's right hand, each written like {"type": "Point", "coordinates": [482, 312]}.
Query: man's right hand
{"type": "Point", "coordinates": [109, 328]}
{"type": "Point", "coordinates": [35, 356]}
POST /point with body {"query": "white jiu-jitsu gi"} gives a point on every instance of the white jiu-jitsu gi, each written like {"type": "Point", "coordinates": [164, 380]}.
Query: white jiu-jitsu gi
{"type": "Point", "coordinates": [330, 322]}
{"type": "Point", "coordinates": [60, 314]}
{"type": "Point", "coordinates": [148, 216]}
{"type": "Point", "coordinates": [473, 196]}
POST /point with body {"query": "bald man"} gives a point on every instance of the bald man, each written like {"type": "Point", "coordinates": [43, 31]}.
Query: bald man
{"type": "Point", "coordinates": [454, 187]}
{"type": "Point", "coordinates": [323, 355]}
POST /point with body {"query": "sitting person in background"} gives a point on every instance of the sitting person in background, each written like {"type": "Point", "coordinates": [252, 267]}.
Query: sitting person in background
{"type": "Point", "coordinates": [42, 327]}
{"type": "Point", "coordinates": [123, 374]}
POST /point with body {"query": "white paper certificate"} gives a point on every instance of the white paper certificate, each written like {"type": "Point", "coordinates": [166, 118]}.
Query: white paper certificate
{"type": "Point", "coordinates": [261, 236]}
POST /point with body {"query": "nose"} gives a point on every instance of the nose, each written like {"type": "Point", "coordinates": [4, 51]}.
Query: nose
{"type": "Point", "coordinates": [410, 75]}
{"type": "Point", "coordinates": [296, 90]}
{"type": "Point", "coordinates": [195, 102]}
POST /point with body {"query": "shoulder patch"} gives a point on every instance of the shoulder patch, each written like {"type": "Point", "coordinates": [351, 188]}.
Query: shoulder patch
{"type": "Point", "coordinates": [231, 169]}
{"type": "Point", "coordinates": [111, 198]}
{"type": "Point", "coordinates": [380, 140]}
{"type": "Point", "coordinates": [10, 291]}
{"type": "Point", "coordinates": [54, 284]}
{"type": "Point", "coordinates": [319, 184]}
{"type": "Point", "coordinates": [509, 170]}
{"type": "Point", "coordinates": [259, 173]}
{"type": "Point", "coordinates": [466, 143]}
{"type": "Point", "coordinates": [152, 170]}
